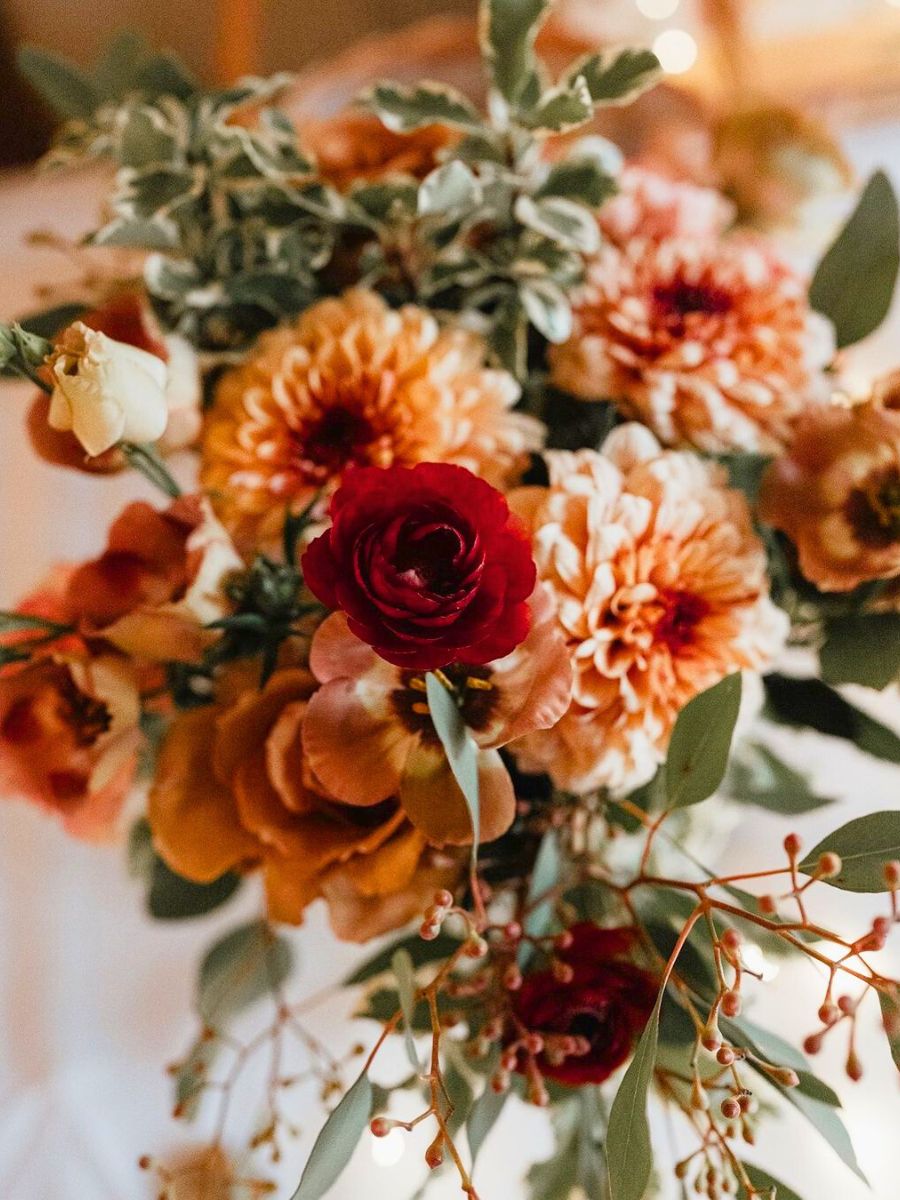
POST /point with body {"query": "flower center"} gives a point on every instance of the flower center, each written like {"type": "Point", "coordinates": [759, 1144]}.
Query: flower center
{"type": "Point", "coordinates": [682, 612]}
{"type": "Point", "coordinates": [476, 694]}
{"type": "Point", "coordinates": [427, 557]}
{"type": "Point", "coordinates": [86, 717]}
{"type": "Point", "coordinates": [874, 509]}
{"type": "Point", "coordinates": [680, 299]}
{"type": "Point", "coordinates": [340, 435]}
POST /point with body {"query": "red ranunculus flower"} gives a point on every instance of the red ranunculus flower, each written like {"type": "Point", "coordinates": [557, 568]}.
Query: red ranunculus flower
{"type": "Point", "coordinates": [605, 1005]}
{"type": "Point", "coordinates": [428, 564]}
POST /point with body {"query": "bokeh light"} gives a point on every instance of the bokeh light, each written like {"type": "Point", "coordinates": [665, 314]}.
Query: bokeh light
{"type": "Point", "coordinates": [676, 51]}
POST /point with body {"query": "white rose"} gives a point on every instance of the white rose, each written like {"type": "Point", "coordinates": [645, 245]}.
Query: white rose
{"type": "Point", "coordinates": [105, 391]}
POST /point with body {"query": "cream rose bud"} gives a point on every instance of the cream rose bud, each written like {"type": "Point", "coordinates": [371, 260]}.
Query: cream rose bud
{"type": "Point", "coordinates": [106, 392]}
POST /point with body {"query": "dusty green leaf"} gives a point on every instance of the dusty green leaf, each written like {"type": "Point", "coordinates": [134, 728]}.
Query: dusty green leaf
{"type": "Point", "coordinates": [336, 1142]}
{"type": "Point", "coordinates": [862, 649]}
{"type": "Point", "coordinates": [507, 30]}
{"type": "Point", "coordinates": [482, 1118]}
{"type": "Point", "coordinates": [548, 309]}
{"type": "Point", "coordinates": [564, 221]}
{"type": "Point", "coordinates": [447, 189]}
{"type": "Point", "coordinates": [854, 283]}
{"type": "Point", "coordinates": [763, 1181]}
{"type": "Point", "coordinates": [813, 704]}
{"type": "Point", "coordinates": [701, 743]}
{"type": "Point", "coordinates": [864, 846]}
{"type": "Point", "coordinates": [65, 87]}
{"type": "Point", "coordinates": [629, 1153]}
{"type": "Point", "coordinates": [462, 754]}
{"type": "Point", "coordinates": [405, 973]}
{"type": "Point", "coordinates": [561, 108]}
{"type": "Point", "coordinates": [245, 965]}
{"type": "Point", "coordinates": [758, 776]}
{"type": "Point", "coordinates": [890, 1015]}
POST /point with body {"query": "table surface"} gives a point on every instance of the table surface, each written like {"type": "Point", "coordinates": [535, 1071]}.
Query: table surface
{"type": "Point", "coordinates": [95, 998]}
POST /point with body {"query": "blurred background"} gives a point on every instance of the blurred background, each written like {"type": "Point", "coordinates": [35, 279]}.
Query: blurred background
{"type": "Point", "coordinates": [93, 996]}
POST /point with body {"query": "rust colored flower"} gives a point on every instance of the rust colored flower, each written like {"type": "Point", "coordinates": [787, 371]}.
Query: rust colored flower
{"type": "Point", "coordinates": [355, 147]}
{"type": "Point", "coordinates": [652, 206]}
{"type": "Point", "coordinates": [126, 318]}
{"type": "Point", "coordinates": [158, 583]}
{"type": "Point", "coordinates": [381, 713]}
{"type": "Point", "coordinates": [597, 1016]}
{"type": "Point", "coordinates": [354, 383]}
{"type": "Point", "coordinates": [836, 494]}
{"type": "Point", "coordinates": [709, 343]}
{"type": "Point", "coordinates": [661, 590]}
{"type": "Point", "coordinates": [69, 737]}
{"type": "Point", "coordinates": [428, 564]}
{"type": "Point", "coordinates": [234, 789]}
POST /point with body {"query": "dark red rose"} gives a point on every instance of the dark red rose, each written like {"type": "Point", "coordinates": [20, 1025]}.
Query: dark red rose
{"type": "Point", "coordinates": [606, 1004]}
{"type": "Point", "coordinates": [427, 562]}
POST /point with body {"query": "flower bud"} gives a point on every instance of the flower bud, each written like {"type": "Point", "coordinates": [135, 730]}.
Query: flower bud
{"type": "Point", "coordinates": [380, 1127]}
{"type": "Point", "coordinates": [829, 865]}
{"type": "Point", "coordinates": [434, 1155]}
{"type": "Point", "coordinates": [786, 1077]}
{"type": "Point", "coordinates": [892, 874]}
{"type": "Point", "coordinates": [768, 905]}
{"type": "Point", "coordinates": [731, 1004]}
{"type": "Point", "coordinates": [792, 845]}
{"type": "Point", "coordinates": [443, 899]}
{"type": "Point", "coordinates": [725, 1056]}
{"type": "Point", "coordinates": [106, 392]}
{"type": "Point", "coordinates": [731, 1109]}
{"type": "Point", "coordinates": [829, 1013]}
{"type": "Point", "coordinates": [854, 1067]}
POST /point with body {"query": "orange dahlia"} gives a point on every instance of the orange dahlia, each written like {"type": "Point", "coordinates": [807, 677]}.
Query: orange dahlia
{"type": "Point", "coordinates": [661, 590]}
{"type": "Point", "coordinates": [709, 343]}
{"type": "Point", "coordinates": [354, 383]}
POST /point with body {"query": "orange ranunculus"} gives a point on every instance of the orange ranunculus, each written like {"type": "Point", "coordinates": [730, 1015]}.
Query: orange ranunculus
{"type": "Point", "coordinates": [836, 493]}
{"type": "Point", "coordinates": [234, 789]}
{"type": "Point", "coordinates": [353, 382]}
{"type": "Point", "coordinates": [69, 737]}
{"type": "Point", "coordinates": [379, 713]}
{"type": "Point", "coordinates": [355, 147]}
{"type": "Point", "coordinates": [158, 583]}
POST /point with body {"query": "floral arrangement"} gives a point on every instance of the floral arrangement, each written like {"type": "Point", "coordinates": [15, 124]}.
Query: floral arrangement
{"type": "Point", "coordinates": [490, 467]}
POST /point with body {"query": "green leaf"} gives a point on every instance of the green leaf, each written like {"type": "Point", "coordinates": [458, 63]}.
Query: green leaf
{"type": "Point", "coordinates": [890, 1015]}
{"type": "Point", "coordinates": [245, 965]}
{"type": "Point", "coordinates": [117, 71]}
{"type": "Point", "coordinates": [173, 898]}
{"type": "Point", "coordinates": [617, 77]}
{"type": "Point", "coordinates": [864, 846]}
{"type": "Point", "coordinates": [336, 1142]}
{"type": "Point", "coordinates": [51, 321]}
{"type": "Point", "coordinates": [544, 877]}
{"type": "Point", "coordinates": [507, 30]}
{"type": "Point", "coordinates": [447, 189]}
{"type": "Point", "coordinates": [580, 179]}
{"type": "Point", "coordinates": [561, 108]}
{"type": "Point", "coordinates": [862, 649]}
{"type": "Point", "coordinates": [462, 754]}
{"type": "Point", "coordinates": [854, 283]}
{"type": "Point", "coordinates": [629, 1153]}
{"type": "Point", "coordinates": [193, 1073]}
{"type": "Point", "coordinates": [65, 87]}
{"type": "Point", "coordinates": [483, 1116]}
{"type": "Point", "coordinates": [403, 109]}
{"type": "Point", "coordinates": [812, 704]}
{"type": "Point", "coordinates": [405, 973]}
{"type": "Point", "coordinates": [565, 222]}
{"type": "Point", "coordinates": [757, 776]}
{"type": "Point", "coordinates": [420, 953]}
{"type": "Point", "coordinates": [762, 1181]}
{"type": "Point", "coordinates": [15, 622]}
{"type": "Point", "coordinates": [548, 309]}
{"type": "Point", "coordinates": [701, 742]}
{"type": "Point", "coordinates": [459, 1089]}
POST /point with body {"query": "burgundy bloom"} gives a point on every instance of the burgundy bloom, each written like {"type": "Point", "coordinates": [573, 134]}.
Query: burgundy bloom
{"type": "Point", "coordinates": [428, 564]}
{"type": "Point", "coordinates": [606, 1005]}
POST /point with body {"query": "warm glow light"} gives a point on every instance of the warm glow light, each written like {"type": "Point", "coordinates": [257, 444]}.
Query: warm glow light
{"type": "Point", "coordinates": [754, 960]}
{"type": "Point", "coordinates": [387, 1151]}
{"type": "Point", "coordinates": [894, 3]}
{"type": "Point", "coordinates": [676, 51]}
{"type": "Point", "coordinates": [661, 10]}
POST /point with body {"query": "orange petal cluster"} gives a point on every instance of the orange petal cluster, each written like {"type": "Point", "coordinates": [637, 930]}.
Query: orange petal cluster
{"type": "Point", "coordinates": [836, 493]}
{"type": "Point", "coordinates": [661, 590]}
{"type": "Point", "coordinates": [234, 789]}
{"type": "Point", "coordinates": [353, 382]}
{"type": "Point", "coordinates": [355, 147]}
{"type": "Point", "coordinates": [709, 342]}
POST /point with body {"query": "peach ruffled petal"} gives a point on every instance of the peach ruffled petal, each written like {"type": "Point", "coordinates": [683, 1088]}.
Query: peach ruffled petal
{"type": "Point", "coordinates": [434, 803]}
{"type": "Point", "coordinates": [244, 728]}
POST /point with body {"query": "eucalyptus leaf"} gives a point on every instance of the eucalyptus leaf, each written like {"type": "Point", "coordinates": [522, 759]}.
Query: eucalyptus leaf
{"type": "Point", "coordinates": [813, 704]}
{"type": "Point", "coordinates": [193, 1073]}
{"type": "Point", "coordinates": [419, 951]}
{"type": "Point", "coordinates": [15, 622]}
{"type": "Point", "coordinates": [239, 969]}
{"type": "Point", "coordinates": [462, 754]}
{"type": "Point", "coordinates": [405, 974]}
{"type": "Point", "coordinates": [758, 776]}
{"type": "Point", "coordinates": [629, 1152]}
{"type": "Point", "coordinates": [336, 1142]}
{"type": "Point", "coordinates": [617, 76]}
{"type": "Point", "coordinates": [170, 897]}
{"type": "Point", "coordinates": [854, 283]}
{"type": "Point", "coordinates": [701, 743]}
{"type": "Point", "coordinates": [864, 846]}
{"type": "Point", "coordinates": [890, 1015]}
{"type": "Point", "coordinates": [508, 29]}
{"type": "Point", "coordinates": [762, 1181]}
{"type": "Point", "coordinates": [482, 1118]}
{"type": "Point", "coordinates": [863, 648]}
{"type": "Point", "coordinates": [544, 877]}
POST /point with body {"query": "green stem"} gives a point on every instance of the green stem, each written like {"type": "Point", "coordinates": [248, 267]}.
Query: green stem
{"type": "Point", "coordinates": [145, 459]}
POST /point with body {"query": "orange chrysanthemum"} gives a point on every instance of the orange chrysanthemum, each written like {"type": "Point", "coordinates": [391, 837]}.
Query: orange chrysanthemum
{"type": "Point", "coordinates": [836, 493]}
{"type": "Point", "coordinates": [709, 343]}
{"type": "Point", "coordinates": [353, 382]}
{"type": "Point", "coordinates": [233, 788]}
{"type": "Point", "coordinates": [661, 590]}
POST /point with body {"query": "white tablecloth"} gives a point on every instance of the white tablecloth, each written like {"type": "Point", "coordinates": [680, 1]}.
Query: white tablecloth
{"type": "Point", "coordinates": [94, 997]}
